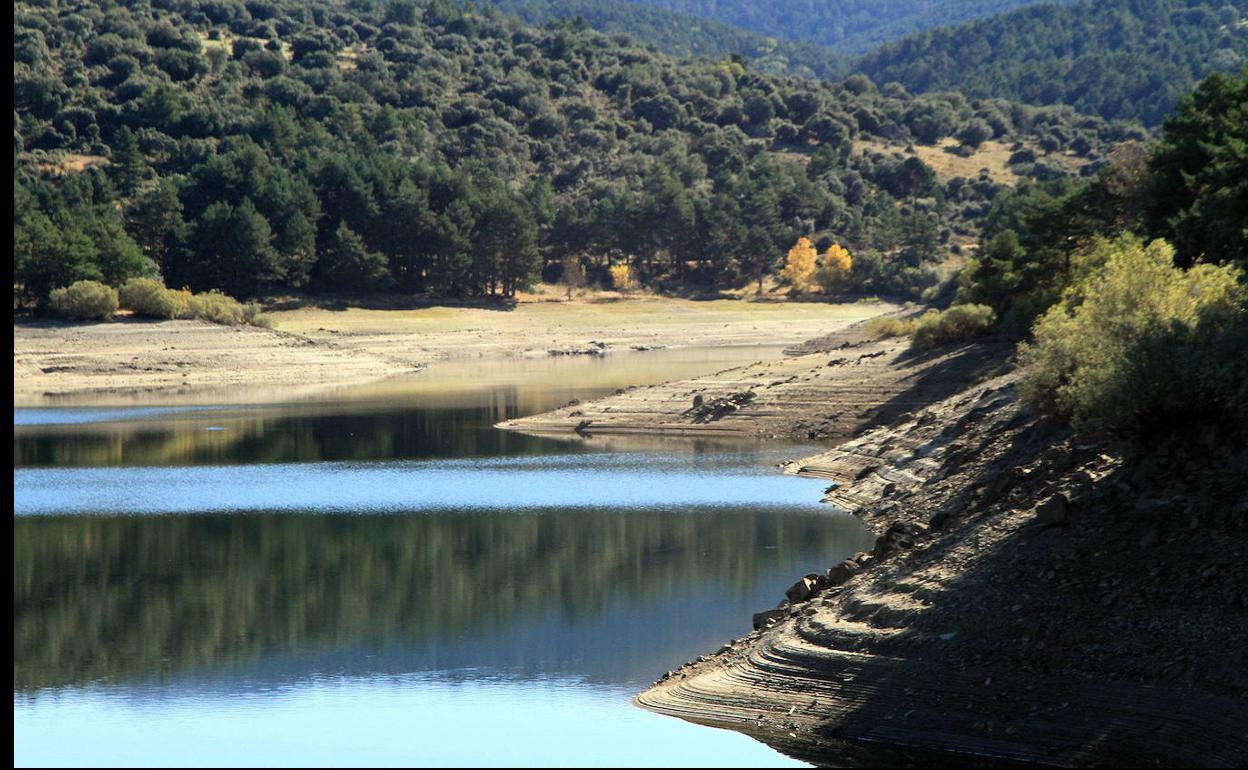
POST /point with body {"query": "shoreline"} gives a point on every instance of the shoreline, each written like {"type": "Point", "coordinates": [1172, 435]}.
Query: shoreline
{"type": "Point", "coordinates": [1033, 596]}
{"type": "Point", "coordinates": [828, 388]}
{"type": "Point", "coordinates": [316, 350]}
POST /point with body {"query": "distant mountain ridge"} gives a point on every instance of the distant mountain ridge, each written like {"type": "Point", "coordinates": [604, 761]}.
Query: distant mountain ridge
{"type": "Point", "coordinates": [847, 26]}
{"type": "Point", "coordinates": [808, 39]}
{"type": "Point", "coordinates": [685, 35]}
{"type": "Point", "coordinates": [1119, 59]}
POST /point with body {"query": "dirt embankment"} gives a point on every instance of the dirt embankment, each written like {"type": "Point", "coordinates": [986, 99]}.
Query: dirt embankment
{"type": "Point", "coordinates": [1033, 597]}
{"type": "Point", "coordinates": [827, 388]}
{"type": "Point", "coordinates": [315, 348]}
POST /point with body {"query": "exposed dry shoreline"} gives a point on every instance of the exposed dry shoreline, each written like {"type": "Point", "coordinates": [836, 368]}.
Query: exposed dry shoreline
{"type": "Point", "coordinates": [828, 388]}
{"type": "Point", "coordinates": [1033, 597]}
{"type": "Point", "coordinates": [314, 349]}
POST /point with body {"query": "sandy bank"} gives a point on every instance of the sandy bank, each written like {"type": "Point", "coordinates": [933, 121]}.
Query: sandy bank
{"type": "Point", "coordinates": [314, 349]}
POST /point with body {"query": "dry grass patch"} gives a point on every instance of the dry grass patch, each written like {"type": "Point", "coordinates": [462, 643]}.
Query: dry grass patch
{"type": "Point", "coordinates": [225, 41]}
{"type": "Point", "coordinates": [60, 164]}
{"type": "Point", "coordinates": [992, 156]}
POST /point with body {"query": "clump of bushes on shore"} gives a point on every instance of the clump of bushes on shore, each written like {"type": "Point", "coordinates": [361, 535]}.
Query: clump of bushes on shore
{"type": "Point", "coordinates": [94, 301]}
{"type": "Point", "coordinates": [85, 301]}
{"type": "Point", "coordinates": [891, 326]}
{"type": "Point", "coordinates": [217, 307]}
{"type": "Point", "coordinates": [149, 297]}
{"type": "Point", "coordinates": [1137, 343]}
{"type": "Point", "coordinates": [960, 323]}
{"type": "Point", "coordinates": [934, 328]}
{"type": "Point", "coordinates": [221, 308]}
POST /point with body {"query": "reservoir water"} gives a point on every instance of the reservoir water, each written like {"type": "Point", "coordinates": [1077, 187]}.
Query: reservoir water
{"type": "Point", "coordinates": [380, 577]}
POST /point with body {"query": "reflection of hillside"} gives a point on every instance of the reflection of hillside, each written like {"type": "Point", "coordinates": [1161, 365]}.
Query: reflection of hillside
{"type": "Point", "coordinates": [308, 435]}
{"type": "Point", "coordinates": [100, 598]}
{"type": "Point", "coordinates": [274, 436]}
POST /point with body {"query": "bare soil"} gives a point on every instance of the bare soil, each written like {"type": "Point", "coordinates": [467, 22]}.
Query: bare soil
{"type": "Point", "coordinates": [314, 349]}
{"type": "Point", "coordinates": [828, 388]}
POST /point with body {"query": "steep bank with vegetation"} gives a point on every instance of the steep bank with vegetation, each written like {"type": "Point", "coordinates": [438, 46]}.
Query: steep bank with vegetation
{"type": "Point", "coordinates": [1032, 597]}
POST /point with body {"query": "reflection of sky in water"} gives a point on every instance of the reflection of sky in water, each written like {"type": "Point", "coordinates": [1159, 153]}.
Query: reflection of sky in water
{"type": "Point", "coordinates": [585, 480]}
{"type": "Point", "coordinates": [409, 720]}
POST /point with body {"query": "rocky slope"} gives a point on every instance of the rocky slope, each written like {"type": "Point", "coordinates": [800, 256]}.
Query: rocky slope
{"type": "Point", "coordinates": [1033, 597]}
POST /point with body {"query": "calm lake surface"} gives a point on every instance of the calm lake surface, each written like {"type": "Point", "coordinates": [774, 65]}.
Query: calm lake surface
{"type": "Point", "coordinates": [383, 578]}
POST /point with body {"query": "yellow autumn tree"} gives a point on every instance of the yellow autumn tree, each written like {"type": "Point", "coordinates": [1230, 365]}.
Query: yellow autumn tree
{"type": "Point", "coordinates": [834, 268]}
{"type": "Point", "coordinates": [800, 265]}
{"type": "Point", "coordinates": [622, 278]}
{"type": "Point", "coordinates": [837, 258]}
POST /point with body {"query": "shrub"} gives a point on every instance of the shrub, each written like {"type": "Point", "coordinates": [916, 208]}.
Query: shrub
{"type": "Point", "coordinates": [891, 326]}
{"type": "Point", "coordinates": [218, 308]}
{"type": "Point", "coordinates": [874, 272]}
{"type": "Point", "coordinates": [85, 301]}
{"type": "Point", "coordinates": [252, 316]}
{"type": "Point", "coordinates": [148, 297]}
{"type": "Point", "coordinates": [1137, 343]}
{"type": "Point", "coordinates": [959, 323]}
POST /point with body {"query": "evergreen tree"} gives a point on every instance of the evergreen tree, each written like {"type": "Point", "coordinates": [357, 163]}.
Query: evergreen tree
{"type": "Point", "coordinates": [129, 167]}
{"type": "Point", "coordinates": [346, 264]}
{"type": "Point", "coordinates": [1200, 174]}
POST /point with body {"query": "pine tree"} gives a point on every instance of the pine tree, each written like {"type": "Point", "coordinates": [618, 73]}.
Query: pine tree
{"type": "Point", "coordinates": [348, 265]}
{"type": "Point", "coordinates": [129, 167]}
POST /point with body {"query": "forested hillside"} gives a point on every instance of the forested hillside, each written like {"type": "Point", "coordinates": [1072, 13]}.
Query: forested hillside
{"type": "Point", "coordinates": [273, 145]}
{"type": "Point", "coordinates": [846, 26]}
{"type": "Point", "coordinates": [1120, 59]}
{"type": "Point", "coordinates": [681, 34]}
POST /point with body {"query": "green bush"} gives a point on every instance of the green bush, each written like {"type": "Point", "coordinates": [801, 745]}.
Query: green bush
{"type": "Point", "coordinates": [149, 297]}
{"type": "Point", "coordinates": [873, 271]}
{"type": "Point", "coordinates": [218, 308]}
{"type": "Point", "coordinates": [891, 326]}
{"type": "Point", "coordinates": [1137, 343]}
{"type": "Point", "coordinates": [959, 323]}
{"type": "Point", "coordinates": [85, 301]}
